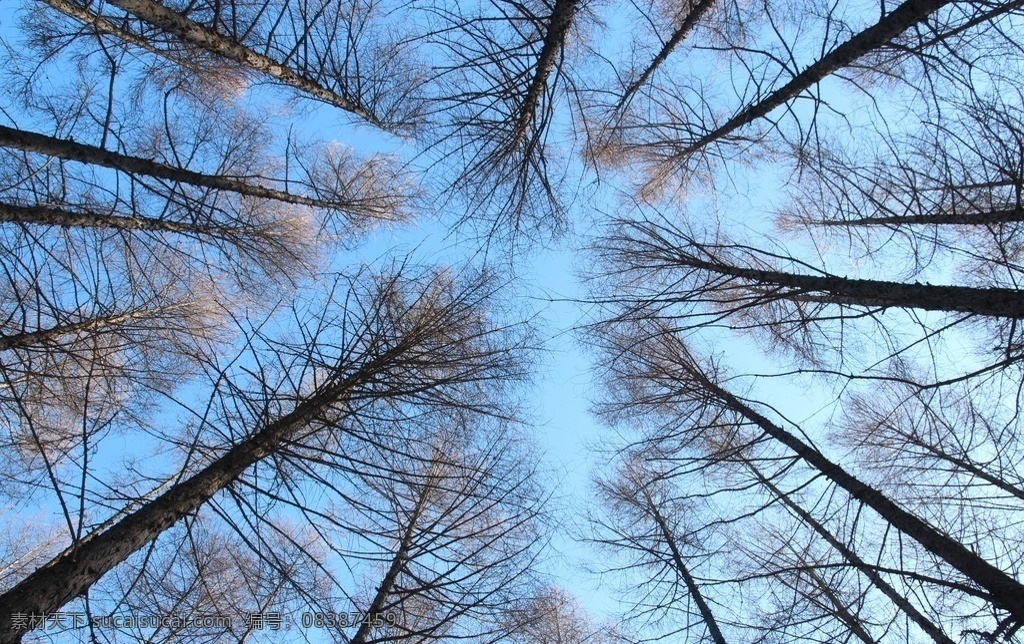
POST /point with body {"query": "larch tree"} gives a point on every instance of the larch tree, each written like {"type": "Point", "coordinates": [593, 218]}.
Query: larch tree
{"type": "Point", "coordinates": [805, 310]}
{"type": "Point", "coordinates": [165, 284]}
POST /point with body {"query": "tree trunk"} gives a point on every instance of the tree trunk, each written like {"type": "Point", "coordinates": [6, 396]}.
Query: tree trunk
{"type": "Point", "coordinates": [684, 572]}
{"type": "Point", "coordinates": [71, 573]}
{"type": "Point", "coordinates": [52, 335]}
{"type": "Point", "coordinates": [994, 302]}
{"type": "Point", "coordinates": [49, 216]}
{"type": "Point", "coordinates": [1001, 216]}
{"type": "Point", "coordinates": [199, 36]}
{"type": "Point", "coordinates": [1007, 593]}
{"type": "Point", "coordinates": [694, 16]}
{"type": "Point", "coordinates": [81, 152]}
{"type": "Point", "coordinates": [398, 563]}
{"type": "Point", "coordinates": [892, 25]}
{"type": "Point", "coordinates": [554, 40]}
{"type": "Point", "coordinates": [839, 608]}
{"type": "Point", "coordinates": [105, 27]}
{"type": "Point", "coordinates": [899, 600]}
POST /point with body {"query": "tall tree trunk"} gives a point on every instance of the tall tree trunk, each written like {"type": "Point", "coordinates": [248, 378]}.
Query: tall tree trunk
{"type": "Point", "coordinates": [74, 571]}
{"type": "Point", "coordinates": [680, 565]}
{"type": "Point", "coordinates": [199, 36]}
{"type": "Point", "coordinates": [50, 216]}
{"type": "Point", "coordinates": [1006, 592]}
{"type": "Point", "coordinates": [105, 27]}
{"type": "Point", "coordinates": [872, 575]}
{"type": "Point", "coordinates": [995, 302]}
{"type": "Point", "coordinates": [554, 41]}
{"type": "Point", "coordinates": [839, 607]}
{"type": "Point", "coordinates": [892, 25]}
{"type": "Point", "coordinates": [696, 12]}
{"type": "Point", "coordinates": [398, 562]}
{"type": "Point", "coordinates": [74, 151]}
{"type": "Point", "coordinates": [92, 325]}
{"type": "Point", "coordinates": [1000, 216]}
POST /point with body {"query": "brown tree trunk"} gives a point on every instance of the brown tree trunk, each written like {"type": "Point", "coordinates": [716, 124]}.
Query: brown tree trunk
{"type": "Point", "coordinates": [839, 608]}
{"type": "Point", "coordinates": [899, 600]}
{"type": "Point", "coordinates": [105, 27]}
{"type": "Point", "coordinates": [71, 573]}
{"type": "Point", "coordinates": [1006, 592]}
{"type": "Point", "coordinates": [49, 216]}
{"type": "Point", "coordinates": [1001, 216]}
{"type": "Point", "coordinates": [892, 25]}
{"type": "Point", "coordinates": [554, 40]}
{"type": "Point", "coordinates": [53, 335]}
{"type": "Point", "coordinates": [994, 302]}
{"type": "Point", "coordinates": [684, 572]}
{"type": "Point", "coordinates": [692, 18]}
{"type": "Point", "coordinates": [74, 151]}
{"type": "Point", "coordinates": [398, 563]}
{"type": "Point", "coordinates": [199, 36]}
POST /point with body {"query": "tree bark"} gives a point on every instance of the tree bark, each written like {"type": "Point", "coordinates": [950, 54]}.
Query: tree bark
{"type": "Point", "coordinates": [684, 572]}
{"type": "Point", "coordinates": [398, 563]}
{"type": "Point", "coordinates": [105, 27]}
{"type": "Point", "coordinates": [1001, 216]}
{"type": "Point", "coordinates": [71, 573]}
{"type": "Point", "coordinates": [49, 216]}
{"type": "Point", "coordinates": [1007, 593]}
{"type": "Point", "coordinates": [899, 600]}
{"type": "Point", "coordinates": [52, 335]}
{"type": "Point", "coordinates": [684, 29]}
{"type": "Point", "coordinates": [892, 25]}
{"type": "Point", "coordinates": [199, 36]}
{"type": "Point", "coordinates": [554, 40]}
{"type": "Point", "coordinates": [994, 302]}
{"type": "Point", "coordinates": [83, 153]}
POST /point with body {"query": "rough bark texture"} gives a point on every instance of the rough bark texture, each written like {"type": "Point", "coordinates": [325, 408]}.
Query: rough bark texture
{"type": "Point", "coordinates": [892, 25]}
{"type": "Point", "coordinates": [54, 334]}
{"type": "Point", "coordinates": [71, 573]}
{"type": "Point", "coordinates": [103, 26]}
{"type": "Point", "coordinates": [554, 40]}
{"type": "Point", "coordinates": [899, 600]}
{"type": "Point", "coordinates": [1002, 216]}
{"type": "Point", "coordinates": [74, 151]}
{"type": "Point", "coordinates": [994, 302]}
{"type": "Point", "coordinates": [48, 216]}
{"type": "Point", "coordinates": [1006, 592]}
{"type": "Point", "coordinates": [199, 36]}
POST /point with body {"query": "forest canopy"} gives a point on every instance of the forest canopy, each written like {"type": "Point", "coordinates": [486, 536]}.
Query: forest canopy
{"type": "Point", "coordinates": [229, 388]}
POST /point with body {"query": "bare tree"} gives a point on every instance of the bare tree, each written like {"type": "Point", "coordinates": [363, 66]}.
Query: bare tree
{"type": "Point", "coordinates": [422, 341]}
{"type": "Point", "coordinates": [808, 311]}
{"type": "Point", "coordinates": [553, 616]}
{"type": "Point", "coordinates": [333, 54]}
{"type": "Point", "coordinates": [464, 535]}
{"type": "Point", "coordinates": [659, 375]}
{"type": "Point", "coordinates": [645, 521]}
{"type": "Point", "coordinates": [501, 73]}
{"type": "Point", "coordinates": [778, 57]}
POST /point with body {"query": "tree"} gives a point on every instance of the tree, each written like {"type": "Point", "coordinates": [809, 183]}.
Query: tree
{"type": "Point", "coordinates": [166, 222]}
{"type": "Point", "coordinates": [655, 373]}
{"type": "Point", "coordinates": [553, 616]}
{"type": "Point", "coordinates": [421, 341]}
{"type": "Point", "coordinates": [138, 261]}
{"type": "Point", "coordinates": [329, 54]}
{"type": "Point", "coordinates": [646, 521]}
{"type": "Point", "coordinates": [776, 57]}
{"type": "Point", "coordinates": [501, 72]}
